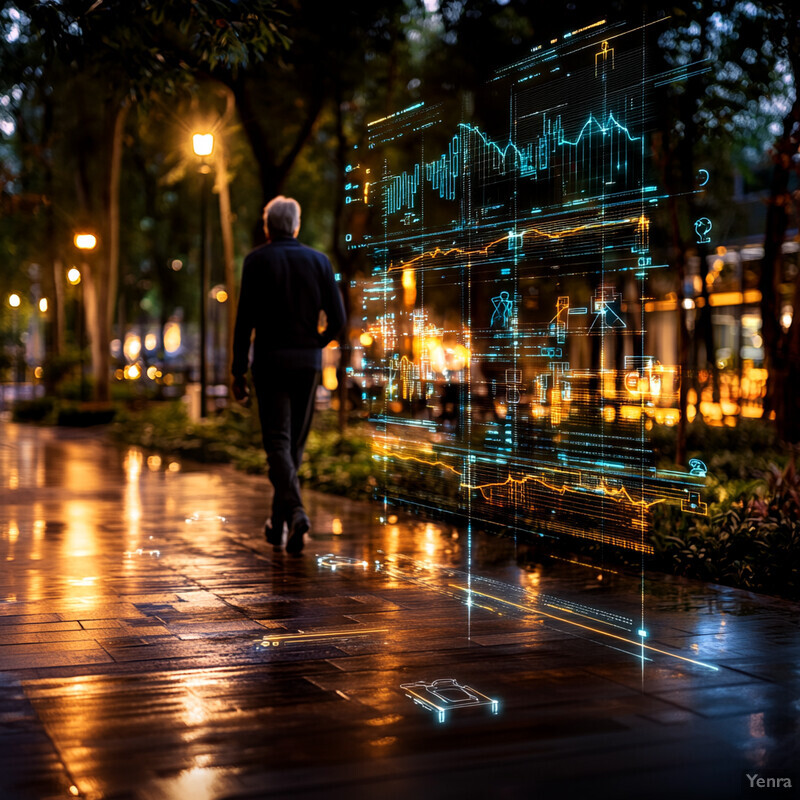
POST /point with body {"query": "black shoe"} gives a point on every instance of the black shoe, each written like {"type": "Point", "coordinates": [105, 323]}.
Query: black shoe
{"type": "Point", "coordinates": [273, 533]}
{"type": "Point", "coordinates": [300, 526]}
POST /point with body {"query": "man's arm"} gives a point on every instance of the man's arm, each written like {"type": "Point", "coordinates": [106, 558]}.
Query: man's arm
{"type": "Point", "coordinates": [245, 322]}
{"type": "Point", "coordinates": [332, 306]}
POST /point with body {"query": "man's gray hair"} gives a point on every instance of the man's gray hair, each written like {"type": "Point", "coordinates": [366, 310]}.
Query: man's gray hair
{"type": "Point", "coordinates": [282, 216]}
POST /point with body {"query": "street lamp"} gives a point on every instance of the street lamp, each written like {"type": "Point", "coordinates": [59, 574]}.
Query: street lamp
{"type": "Point", "coordinates": [220, 296]}
{"type": "Point", "coordinates": [41, 336]}
{"type": "Point", "coordinates": [14, 301]}
{"type": "Point", "coordinates": [203, 146]}
{"type": "Point", "coordinates": [74, 278]}
{"type": "Point", "coordinates": [85, 242]}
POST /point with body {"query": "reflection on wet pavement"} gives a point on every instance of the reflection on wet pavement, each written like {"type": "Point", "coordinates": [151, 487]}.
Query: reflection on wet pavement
{"type": "Point", "coordinates": [152, 645]}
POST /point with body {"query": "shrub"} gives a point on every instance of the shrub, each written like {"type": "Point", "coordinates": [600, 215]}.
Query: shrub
{"type": "Point", "coordinates": [750, 539]}
{"type": "Point", "coordinates": [333, 463]}
{"type": "Point", "coordinates": [743, 452]}
{"type": "Point", "coordinates": [40, 409]}
{"type": "Point", "coordinates": [83, 415]}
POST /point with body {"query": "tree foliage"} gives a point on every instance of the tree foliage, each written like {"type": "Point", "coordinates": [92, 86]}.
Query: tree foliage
{"type": "Point", "coordinates": [96, 91]}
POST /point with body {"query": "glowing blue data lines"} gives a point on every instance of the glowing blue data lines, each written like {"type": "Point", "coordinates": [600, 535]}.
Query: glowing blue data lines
{"type": "Point", "coordinates": [508, 244]}
{"type": "Point", "coordinates": [531, 160]}
{"type": "Point", "coordinates": [402, 191]}
{"type": "Point", "coordinates": [524, 157]}
{"type": "Point", "coordinates": [442, 174]}
{"type": "Point", "coordinates": [396, 114]}
{"type": "Point", "coordinates": [611, 124]}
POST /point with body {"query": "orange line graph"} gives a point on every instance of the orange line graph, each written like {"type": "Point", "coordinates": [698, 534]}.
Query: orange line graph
{"type": "Point", "coordinates": [618, 495]}
{"type": "Point", "coordinates": [438, 251]}
{"type": "Point", "coordinates": [387, 452]}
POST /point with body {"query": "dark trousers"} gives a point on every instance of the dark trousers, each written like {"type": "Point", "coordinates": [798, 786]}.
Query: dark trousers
{"type": "Point", "coordinates": [285, 408]}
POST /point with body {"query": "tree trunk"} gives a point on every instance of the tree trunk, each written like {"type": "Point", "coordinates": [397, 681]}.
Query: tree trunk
{"type": "Point", "coordinates": [704, 328]}
{"type": "Point", "coordinates": [666, 159]}
{"type": "Point", "coordinates": [776, 224]}
{"type": "Point", "coordinates": [115, 170]}
{"type": "Point", "coordinates": [58, 303]}
{"type": "Point", "coordinates": [788, 408]}
{"type": "Point", "coordinates": [102, 267]}
{"type": "Point", "coordinates": [226, 227]}
{"type": "Point", "coordinates": [790, 428]}
{"type": "Point", "coordinates": [683, 333]}
{"type": "Point", "coordinates": [56, 337]}
{"type": "Point", "coordinates": [273, 169]}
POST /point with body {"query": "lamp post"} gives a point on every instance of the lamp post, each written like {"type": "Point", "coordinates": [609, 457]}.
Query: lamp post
{"type": "Point", "coordinates": [74, 279]}
{"type": "Point", "coordinates": [14, 301]}
{"type": "Point", "coordinates": [220, 296]}
{"type": "Point", "coordinates": [85, 242]}
{"type": "Point", "coordinates": [203, 145]}
{"type": "Point", "coordinates": [41, 337]}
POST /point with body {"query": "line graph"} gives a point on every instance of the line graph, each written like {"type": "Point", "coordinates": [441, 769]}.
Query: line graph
{"type": "Point", "coordinates": [535, 159]}
{"type": "Point", "coordinates": [516, 236]}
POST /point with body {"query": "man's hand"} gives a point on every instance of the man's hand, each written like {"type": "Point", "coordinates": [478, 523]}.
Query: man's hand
{"type": "Point", "coordinates": [240, 391]}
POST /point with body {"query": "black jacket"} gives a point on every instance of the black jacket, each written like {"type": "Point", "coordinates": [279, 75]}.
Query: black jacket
{"type": "Point", "coordinates": [284, 287]}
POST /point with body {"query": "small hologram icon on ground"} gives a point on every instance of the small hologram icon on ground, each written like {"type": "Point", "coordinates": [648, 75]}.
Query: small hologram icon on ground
{"type": "Point", "coordinates": [332, 561]}
{"type": "Point", "coordinates": [447, 694]}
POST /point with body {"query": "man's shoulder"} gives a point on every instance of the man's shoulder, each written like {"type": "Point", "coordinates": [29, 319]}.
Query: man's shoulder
{"type": "Point", "coordinates": [312, 253]}
{"type": "Point", "coordinates": [285, 251]}
{"type": "Point", "coordinates": [257, 254]}
{"type": "Point", "coordinates": [302, 252]}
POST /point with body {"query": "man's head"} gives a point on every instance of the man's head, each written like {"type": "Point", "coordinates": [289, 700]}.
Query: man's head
{"type": "Point", "coordinates": [282, 217]}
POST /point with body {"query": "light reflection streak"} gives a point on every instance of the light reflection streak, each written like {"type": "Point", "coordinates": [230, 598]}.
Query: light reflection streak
{"type": "Point", "coordinates": [141, 552]}
{"type": "Point", "coordinates": [274, 640]}
{"type": "Point", "coordinates": [79, 538]}
{"type": "Point", "coordinates": [205, 516]}
{"type": "Point", "coordinates": [586, 627]}
{"type": "Point", "coordinates": [609, 618]}
{"type": "Point", "coordinates": [39, 527]}
{"type": "Point", "coordinates": [199, 783]}
{"type": "Point", "coordinates": [132, 503]}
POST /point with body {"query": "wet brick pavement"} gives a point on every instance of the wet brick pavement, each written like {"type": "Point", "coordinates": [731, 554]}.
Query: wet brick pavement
{"type": "Point", "coordinates": [153, 646]}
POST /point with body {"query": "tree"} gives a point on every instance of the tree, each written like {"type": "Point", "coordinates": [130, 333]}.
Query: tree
{"type": "Point", "coordinates": [782, 350]}
{"type": "Point", "coordinates": [118, 53]}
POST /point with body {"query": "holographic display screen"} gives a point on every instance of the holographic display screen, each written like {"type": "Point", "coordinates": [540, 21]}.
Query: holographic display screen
{"type": "Point", "coordinates": [504, 346]}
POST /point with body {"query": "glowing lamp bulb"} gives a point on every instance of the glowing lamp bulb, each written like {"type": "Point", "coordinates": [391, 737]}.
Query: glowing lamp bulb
{"type": "Point", "coordinates": [43, 305]}
{"type": "Point", "coordinates": [14, 300]}
{"type": "Point", "coordinates": [85, 241]}
{"type": "Point", "coordinates": [74, 276]}
{"type": "Point", "coordinates": [203, 144]}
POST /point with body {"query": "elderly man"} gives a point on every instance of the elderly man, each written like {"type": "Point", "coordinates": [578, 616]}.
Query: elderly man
{"type": "Point", "coordinates": [285, 285]}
